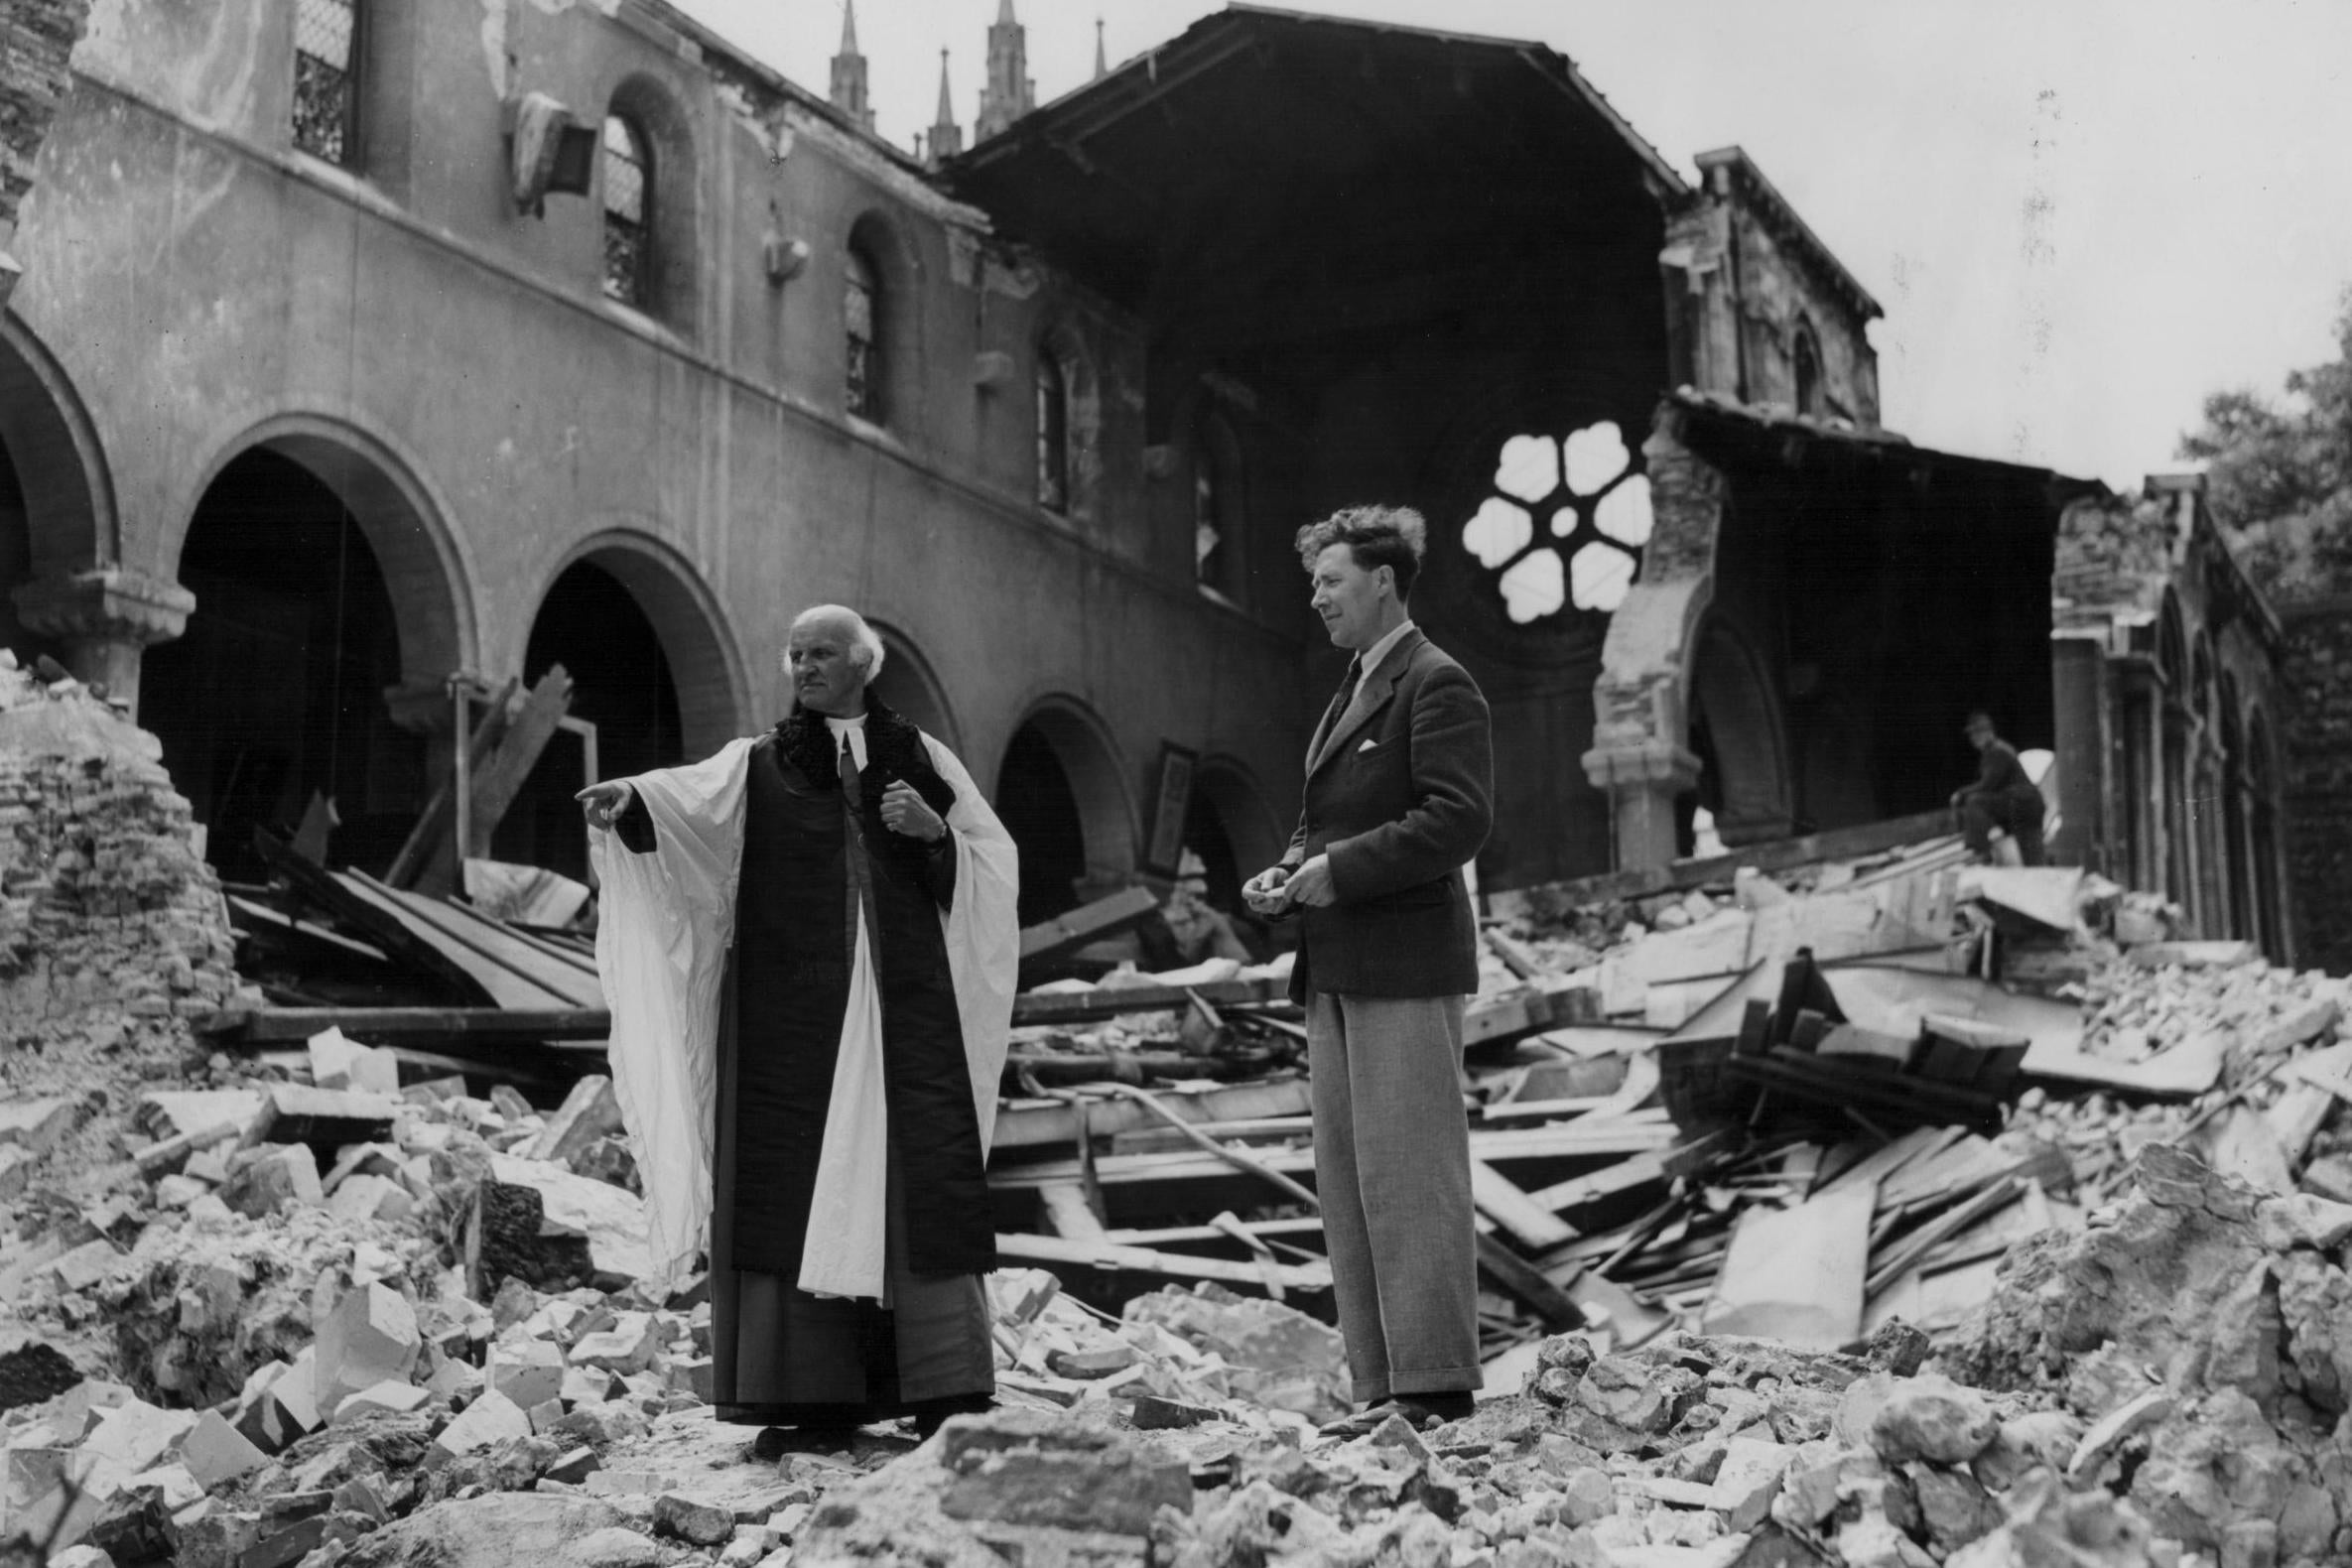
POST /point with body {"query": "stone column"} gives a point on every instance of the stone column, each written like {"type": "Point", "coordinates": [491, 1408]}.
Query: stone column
{"type": "Point", "coordinates": [105, 618]}
{"type": "Point", "coordinates": [1640, 757]}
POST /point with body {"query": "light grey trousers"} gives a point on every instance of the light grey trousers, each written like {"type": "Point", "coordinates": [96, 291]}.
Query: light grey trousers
{"type": "Point", "coordinates": [1392, 1168]}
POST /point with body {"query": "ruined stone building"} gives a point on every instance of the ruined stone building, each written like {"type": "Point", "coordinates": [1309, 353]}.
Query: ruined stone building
{"type": "Point", "coordinates": [367, 343]}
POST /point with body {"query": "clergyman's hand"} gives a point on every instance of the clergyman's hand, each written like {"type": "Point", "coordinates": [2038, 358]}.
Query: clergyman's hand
{"type": "Point", "coordinates": [605, 804]}
{"type": "Point", "coordinates": [904, 812]}
{"type": "Point", "coordinates": [1310, 885]}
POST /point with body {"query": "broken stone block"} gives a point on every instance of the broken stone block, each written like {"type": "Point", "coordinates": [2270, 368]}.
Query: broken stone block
{"type": "Point", "coordinates": [33, 1374]}
{"type": "Point", "coordinates": [208, 1535]}
{"type": "Point", "coordinates": [1636, 1396]}
{"type": "Point", "coordinates": [362, 1198]}
{"type": "Point", "coordinates": [591, 1111]}
{"type": "Point", "coordinates": [1957, 1510]}
{"type": "Point", "coordinates": [173, 1113]}
{"type": "Point", "coordinates": [35, 1124]}
{"type": "Point", "coordinates": [1932, 1419]}
{"type": "Point", "coordinates": [16, 1170]}
{"type": "Point", "coordinates": [528, 1372]}
{"type": "Point", "coordinates": [87, 1265]}
{"type": "Point", "coordinates": [293, 1399]}
{"type": "Point", "coordinates": [693, 1375]}
{"type": "Point", "coordinates": [617, 1548]}
{"type": "Point", "coordinates": [1018, 1466]}
{"type": "Point", "coordinates": [454, 1381]}
{"type": "Point", "coordinates": [493, 1418]}
{"type": "Point", "coordinates": [370, 1338]}
{"type": "Point", "coordinates": [1277, 1356]}
{"type": "Point", "coordinates": [391, 1397]}
{"type": "Point", "coordinates": [328, 1119]}
{"type": "Point", "coordinates": [2302, 1219]}
{"type": "Point", "coordinates": [574, 1465]}
{"type": "Point", "coordinates": [217, 1453]}
{"type": "Point", "coordinates": [177, 1192]}
{"type": "Point", "coordinates": [285, 1547]}
{"type": "Point", "coordinates": [588, 1386]}
{"type": "Point", "coordinates": [264, 1179]}
{"type": "Point", "coordinates": [625, 1349]}
{"type": "Point", "coordinates": [84, 1556]}
{"type": "Point", "coordinates": [136, 1436]}
{"type": "Point", "coordinates": [611, 1222]}
{"type": "Point", "coordinates": [1091, 1363]}
{"type": "Point", "coordinates": [693, 1518]}
{"type": "Point", "coordinates": [1748, 1479]}
{"type": "Point", "coordinates": [339, 1063]}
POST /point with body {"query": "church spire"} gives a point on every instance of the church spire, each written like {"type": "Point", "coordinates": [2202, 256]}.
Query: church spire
{"type": "Point", "coordinates": [849, 71]}
{"type": "Point", "coordinates": [947, 138]}
{"type": "Point", "coordinates": [1102, 65]}
{"type": "Point", "coordinates": [1009, 92]}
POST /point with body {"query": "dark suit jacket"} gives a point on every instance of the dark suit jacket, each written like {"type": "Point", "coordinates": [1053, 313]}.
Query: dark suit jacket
{"type": "Point", "coordinates": [1399, 795]}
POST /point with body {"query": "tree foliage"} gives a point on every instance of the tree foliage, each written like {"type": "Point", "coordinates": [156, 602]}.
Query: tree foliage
{"type": "Point", "coordinates": [2279, 474]}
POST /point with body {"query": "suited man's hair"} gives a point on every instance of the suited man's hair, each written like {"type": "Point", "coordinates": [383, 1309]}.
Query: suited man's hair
{"type": "Point", "coordinates": [866, 644]}
{"type": "Point", "coordinates": [1394, 537]}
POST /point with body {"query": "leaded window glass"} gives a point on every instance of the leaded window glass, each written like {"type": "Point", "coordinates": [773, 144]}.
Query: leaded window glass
{"type": "Point", "coordinates": [628, 213]}
{"type": "Point", "coordinates": [325, 78]}
{"type": "Point", "coordinates": [859, 311]}
{"type": "Point", "coordinates": [1053, 435]}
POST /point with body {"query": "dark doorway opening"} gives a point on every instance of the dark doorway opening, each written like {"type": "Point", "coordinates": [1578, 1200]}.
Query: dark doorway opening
{"type": "Point", "coordinates": [1040, 810]}
{"type": "Point", "coordinates": [592, 625]}
{"type": "Point", "coordinates": [276, 690]}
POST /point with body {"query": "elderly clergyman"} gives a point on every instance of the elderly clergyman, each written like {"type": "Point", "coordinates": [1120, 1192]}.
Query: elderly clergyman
{"type": "Point", "coordinates": [809, 944]}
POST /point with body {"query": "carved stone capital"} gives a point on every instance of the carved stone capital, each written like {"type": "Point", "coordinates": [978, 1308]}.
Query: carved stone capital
{"type": "Point", "coordinates": [105, 604]}
{"type": "Point", "coordinates": [1656, 766]}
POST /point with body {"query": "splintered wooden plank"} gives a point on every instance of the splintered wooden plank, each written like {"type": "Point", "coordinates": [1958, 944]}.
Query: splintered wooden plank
{"type": "Point", "coordinates": [1502, 1200]}
{"type": "Point", "coordinates": [515, 972]}
{"type": "Point", "coordinates": [1071, 1215]}
{"type": "Point", "coordinates": [1051, 1250]}
{"type": "Point", "coordinates": [1573, 1140]}
{"type": "Point", "coordinates": [1029, 1126]}
{"type": "Point", "coordinates": [1524, 1284]}
{"type": "Point", "coordinates": [1796, 1275]}
{"type": "Point", "coordinates": [1109, 1001]}
{"type": "Point", "coordinates": [1086, 923]}
{"type": "Point", "coordinates": [422, 1024]}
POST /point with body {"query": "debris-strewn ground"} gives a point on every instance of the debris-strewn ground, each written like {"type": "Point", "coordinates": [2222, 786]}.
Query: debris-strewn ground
{"type": "Point", "coordinates": [295, 1309]}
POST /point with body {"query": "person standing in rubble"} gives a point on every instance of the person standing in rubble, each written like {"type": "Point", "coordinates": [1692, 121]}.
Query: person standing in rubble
{"type": "Point", "coordinates": [1397, 800]}
{"type": "Point", "coordinates": [2002, 797]}
{"type": "Point", "coordinates": [809, 944]}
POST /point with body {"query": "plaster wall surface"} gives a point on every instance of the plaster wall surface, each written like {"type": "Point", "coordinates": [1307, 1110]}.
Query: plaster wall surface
{"type": "Point", "coordinates": [205, 286]}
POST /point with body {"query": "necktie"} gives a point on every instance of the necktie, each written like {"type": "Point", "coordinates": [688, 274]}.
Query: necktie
{"type": "Point", "coordinates": [1346, 695]}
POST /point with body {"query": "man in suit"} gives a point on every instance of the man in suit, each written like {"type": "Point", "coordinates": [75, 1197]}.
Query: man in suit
{"type": "Point", "coordinates": [1398, 801]}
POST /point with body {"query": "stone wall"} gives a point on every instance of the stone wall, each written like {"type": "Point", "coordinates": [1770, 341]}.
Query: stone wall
{"type": "Point", "coordinates": [2317, 735]}
{"type": "Point", "coordinates": [112, 929]}
{"type": "Point", "coordinates": [35, 39]}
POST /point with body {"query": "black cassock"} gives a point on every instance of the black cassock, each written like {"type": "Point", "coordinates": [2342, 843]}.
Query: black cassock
{"type": "Point", "coordinates": [811, 856]}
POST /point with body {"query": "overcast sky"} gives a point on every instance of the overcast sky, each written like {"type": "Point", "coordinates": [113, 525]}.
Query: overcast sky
{"type": "Point", "coordinates": [2080, 216]}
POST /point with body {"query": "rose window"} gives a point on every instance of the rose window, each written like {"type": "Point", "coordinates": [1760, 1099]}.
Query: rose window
{"type": "Point", "coordinates": [1564, 525]}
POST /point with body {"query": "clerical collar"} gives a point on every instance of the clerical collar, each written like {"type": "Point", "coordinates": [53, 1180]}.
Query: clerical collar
{"type": "Point", "coordinates": [849, 733]}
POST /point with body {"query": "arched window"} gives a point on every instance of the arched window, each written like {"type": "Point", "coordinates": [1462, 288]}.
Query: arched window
{"type": "Point", "coordinates": [628, 211]}
{"type": "Point", "coordinates": [861, 311]}
{"type": "Point", "coordinates": [1808, 372]}
{"type": "Point", "coordinates": [1218, 506]}
{"type": "Point", "coordinates": [326, 80]}
{"type": "Point", "coordinates": [1053, 433]}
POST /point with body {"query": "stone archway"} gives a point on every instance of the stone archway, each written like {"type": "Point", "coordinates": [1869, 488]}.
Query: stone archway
{"type": "Point", "coordinates": [910, 685]}
{"type": "Point", "coordinates": [322, 592]}
{"type": "Point", "coordinates": [1733, 696]}
{"type": "Point", "coordinates": [650, 667]}
{"type": "Point", "coordinates": [62, 583]}
{"type": "Point", "coordinates": [1233, 829]}
{"type": "Point", "coordinates": [1060, 793]}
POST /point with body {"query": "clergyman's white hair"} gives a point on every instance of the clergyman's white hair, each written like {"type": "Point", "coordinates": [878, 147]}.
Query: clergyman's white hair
{"type": "Point", "coordinates": [866, 644]}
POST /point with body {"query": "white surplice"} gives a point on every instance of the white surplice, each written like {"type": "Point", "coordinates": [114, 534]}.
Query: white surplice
{"type": "Point", "coordinates": [666, 925]}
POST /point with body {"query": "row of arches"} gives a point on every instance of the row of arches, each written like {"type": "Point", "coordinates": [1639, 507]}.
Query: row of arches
{"type": "Point", "coordinates": [333, 600]}
{"type": "Point", "coordinates": [2203, 781]}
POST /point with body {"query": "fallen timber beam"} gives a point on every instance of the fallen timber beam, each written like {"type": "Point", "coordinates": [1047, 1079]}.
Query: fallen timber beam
{"type": "Point", "coordinates": [1840, 843]}
{"type": "Point", "coordinates": [1031, 1009]}
{"type": "Point", "coordinates": [258, 1026]}
{"type": "Point", "coordinates": [1574, 1140]}
{"type": "Point", "coordinates": [1105, 917]}
{"type": "Point", "coordinates": [1062, 1252]}
{"type": "Point", "coordinates": [1031, 1125]}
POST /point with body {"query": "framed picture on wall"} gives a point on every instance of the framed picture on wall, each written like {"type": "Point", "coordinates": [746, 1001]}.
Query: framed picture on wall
{"type": "Point", "coordinates": [1171, 799]}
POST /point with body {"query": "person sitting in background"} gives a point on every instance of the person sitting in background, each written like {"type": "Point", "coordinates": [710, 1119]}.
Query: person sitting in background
{"type": "Point", "coordinates": [2002, 797]}
{"type": "Point", "coordinates": [1198, 930]}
